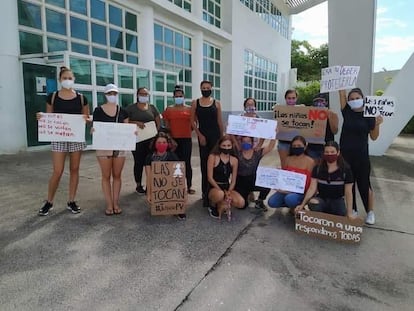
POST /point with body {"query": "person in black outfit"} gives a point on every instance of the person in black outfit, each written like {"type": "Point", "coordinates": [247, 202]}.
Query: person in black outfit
{"type": "Point", "coordinates": [354, 146]}
{"type": "Point", "coordinates": [207, 122]}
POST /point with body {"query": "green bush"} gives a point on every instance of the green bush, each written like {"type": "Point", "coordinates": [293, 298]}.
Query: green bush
{"type": "Point", "coordinates": [409, 128]}
{"type": "Point", "coordinates": [307, 93]}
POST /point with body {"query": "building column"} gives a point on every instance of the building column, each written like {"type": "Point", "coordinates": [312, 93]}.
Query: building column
{"type": "Point", "coordinates": [197, 9]}
{"type": "Point", "coordinates": [197, 62]}
{"type": "Point", "coordinates": [12, 108]}
{"type": "Point", "coordinates": [146, 28]}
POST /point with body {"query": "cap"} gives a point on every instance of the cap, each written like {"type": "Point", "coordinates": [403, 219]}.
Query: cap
{"type": "Point", "coordinates": [111, 88]}
{"type": "Point", "coordinates": [324, 96]}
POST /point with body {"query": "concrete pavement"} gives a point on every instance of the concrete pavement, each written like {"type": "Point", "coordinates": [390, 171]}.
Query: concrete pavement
{"type": "Point", "coordinates": [137, 262]}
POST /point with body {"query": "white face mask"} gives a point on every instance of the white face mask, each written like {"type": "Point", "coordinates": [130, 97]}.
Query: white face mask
{"type": "Point", "coordinates": [143, 99]}
{"type": "Point", "coordinates": [112, 98]}
{"type": "Point", "coordinates": [67, 84]}
{"type": "Point", "coordinates": [356, 103]}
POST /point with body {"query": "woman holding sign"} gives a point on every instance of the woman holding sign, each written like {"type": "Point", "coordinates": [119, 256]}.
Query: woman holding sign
{"type": "Point", "coordinates": [140, 113]}
{"type": "Point", "coordinates": [354, 146]}
{"type": "Point", "coordinates": [110, 161]}
{"type": "Point", "coordinates": [297, 162]}
{"type": "Point", "coordinates": [331, 180]}
{"type": "Point", "coordinates": [66, 100]}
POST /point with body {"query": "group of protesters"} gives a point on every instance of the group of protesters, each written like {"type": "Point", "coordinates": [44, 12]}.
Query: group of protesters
{"type": "Point", "coordinates": [228, 163]}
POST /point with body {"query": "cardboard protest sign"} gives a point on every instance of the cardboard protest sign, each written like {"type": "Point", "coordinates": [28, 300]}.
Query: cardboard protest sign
{"type": "Point", "coordinates": [329, 227]}
{"type": "Point", "coordinates": [339, 78]}
{"type": "Point", "coordinates": [113, 136]}
{"type": "Point", "coordinates": [274, 178]}
{"type": "Point", "coordinates": [379, 106]}
{"type": "Point", "coordinates": [61, 127]}
{"type": "Point", "coordinates": [309, 122]}
{"type": "Point", "coordinates": [168, 188]}
{"type": "Point", "coordinates": [252, 127]}
{"type": "Point", "coordinates": [149, 131]}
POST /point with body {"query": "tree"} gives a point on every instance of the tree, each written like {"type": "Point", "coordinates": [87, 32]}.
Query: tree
{"type": "Point", "coordinates": [308, 60]}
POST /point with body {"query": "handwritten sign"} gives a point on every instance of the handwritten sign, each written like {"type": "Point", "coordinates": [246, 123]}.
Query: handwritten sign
{"type": "Point", "coordinates": [252, 127]}
{"type": "Point", "coordinates": [149, 131]}
{"type": "Point", "coordinates": [339, 78]}
{"type": "Point", "coordinates": [379, 106]}
{"type": "Point", "coordinates": [274, 178]}
{"type": "Point", "coordinates": [113, 136]}
{"type": "Point", "coordinates": [309, 122]}
{"type": "Point", "coordinates": [329, 227]}
{"type": "Point", "coordinates": [168, 188]}
{"type": "Point", "coordinates": [61, 127]}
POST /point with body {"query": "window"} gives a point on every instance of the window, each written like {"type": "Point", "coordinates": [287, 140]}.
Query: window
{"type": "Point", "coordinates": [143, 78]}
{"type": "Point", "coordinates": [30, 43]}
{"type": "Point", "coordinates": [29, 15]}
{"type": "Point", "coordinates": [125, 77]}
{"type": "Point", "coordinates": [184, 4]}
{"type": "Point", "coordinates": [260, 80]}
{"type": "Point", "coordinates": [54, 45]}
{"type": "Point", "coordinates": [98, 9]}
{"type": "Point", "coordinates": [59, 3]}
{"type": "Point", "coordinates": [78, 6]}
{"type": "Point", "coordinates": [130, 21]}
{"type": "Point", "coordinates": [55, 22]}
{"type": "Point", "coordinates": [81, 69]}
{"type": "Point", "coordinates": [78, 28]}
{"type": "Point", "coordinates": [80, 48]}
{"type": "Point", "coordinates": [212, 67]}
{"type": "Point", "coordinates": [212, 12]}
{"type": "Point", "coordinates": [98, 34]}
{"type": "Point", "coordinates": [104, 73]}
{"type": "Point", "coordinates": [115, 16]}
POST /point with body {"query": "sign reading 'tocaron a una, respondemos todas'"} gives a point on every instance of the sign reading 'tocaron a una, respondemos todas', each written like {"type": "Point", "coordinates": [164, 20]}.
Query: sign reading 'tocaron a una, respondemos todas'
{"type": "Point", "coordinates": [168, 188]}
{"type": "Point", "coordinates": [329, 227]}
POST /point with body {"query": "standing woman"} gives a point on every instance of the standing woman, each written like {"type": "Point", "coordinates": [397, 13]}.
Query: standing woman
{"type": "Point", "coordinates": [66, 100]}
{"type": "Point", "coordinates": [111, 161]}
{"type": "Point", "coordinates": [283, 146]}
{"type": "Point", "coordinates": [354, 146]}
{"type": "Point", "coordinates": [207, 122]}
{"type": "Point", "coordinates": [140, 113]}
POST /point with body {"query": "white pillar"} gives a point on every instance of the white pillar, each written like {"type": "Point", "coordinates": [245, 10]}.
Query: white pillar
{"type": "Point", "coordinates": [197, 9]}
{"type": "Point", "coordinates": [146, 29]}
{"type": "Point", "coordinates": [197, 62]}
{"type": "Point", "coordinates": [12, 107]}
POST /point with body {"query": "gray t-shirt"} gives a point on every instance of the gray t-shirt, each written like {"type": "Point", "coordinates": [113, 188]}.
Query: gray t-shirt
{"type": "Point", "coordinates": [248, 167]}
{"type": "Point", "coordinates": [136, 114]}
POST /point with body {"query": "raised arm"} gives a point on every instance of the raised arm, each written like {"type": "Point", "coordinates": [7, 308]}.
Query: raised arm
{"type": "Point", "coordinates": [374, 133]}
{"type": "Point", "coordinates": [270, 146]}
{"type": "Point", "coordinates": [342, 98]}
{"type": "Point", "coordinates": [333, 121]}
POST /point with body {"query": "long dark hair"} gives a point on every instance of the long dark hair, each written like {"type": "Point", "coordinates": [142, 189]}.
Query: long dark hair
{"type": "Point", "coordinates": [356, 90]}
{"type": "Point", "coordinates": [323, 166]}
{"type": "Point", "coordinates": [161, 135]}
{"type": "Point", "coordinates": [216, 148]}
{"type": "Point", "coordinates": [297, 137]}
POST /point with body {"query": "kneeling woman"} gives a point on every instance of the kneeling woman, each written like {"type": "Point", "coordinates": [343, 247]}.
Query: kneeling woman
{"type": "Point", "coordinates": [297, 162]}
{"type": "Point", "coordinates": [332, 180]}
{"type": "Point", "coordinates": [222, 174]}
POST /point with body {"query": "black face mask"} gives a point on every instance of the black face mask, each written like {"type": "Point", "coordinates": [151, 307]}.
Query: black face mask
{"type": "Point", "coordinates": [206, 93]}
{"type": "Point", "coordinates": [297, 151]}
{"type": "Point", "coordinates": [225, 151]}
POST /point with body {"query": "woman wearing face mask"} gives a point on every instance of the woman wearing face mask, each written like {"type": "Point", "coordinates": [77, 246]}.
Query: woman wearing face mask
{"type": "Point", "coordinates": [222, 174]}
{"type": "Point", "coordinates": [207, 122]}
{"type": "Point", "coordinates": [354, 146]}
{"type": "Point", "coordinates": [315, 151]}
{"type": "Point", "coordinates": [250, 111]}
{"type": "Point", "coordinates": [249, 159]}
{"type": "Point", "coordinates": [66, 100]}
{"type": "Point", "coordinates": [297, 162]}
{"type": "Point", "coordinates": [332, 180]}
{"type": "Point", "coordinates": [177, 119]}
{"type": "Point", "coordinates": [111, 162]}
{"type": "Point", "coordinates": [140, 113]}
{"type": "Point", "coordinates": [160, 151]}
{"type": "Point", "coordinates": [283, 146]}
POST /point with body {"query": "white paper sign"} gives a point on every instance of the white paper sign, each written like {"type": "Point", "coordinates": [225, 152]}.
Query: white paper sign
{"type": "Point", "coordinates": [274, 178]}
{"type": "Point", "coordinates": [379, 106]}
{"type": "Point", "coordinates": [149, 131]}
{"type": "Point", "coordinates": [113, 136]}
{"type": "Point", "coordinates": [252, 127]}
{"type": "Point", "coordinates": [61, 127]}
{"type": "Point", "coordinates": [339, 78]}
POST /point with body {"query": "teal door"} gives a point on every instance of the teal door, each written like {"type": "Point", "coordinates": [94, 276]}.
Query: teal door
{"type": "Point", "coordinates": [39, 80]}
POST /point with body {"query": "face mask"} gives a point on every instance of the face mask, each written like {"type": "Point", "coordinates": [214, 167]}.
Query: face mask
{"type": "Point", "coordinates": [297, 150]}
{"type": "Point", "coordinates": [111, 98]}
{"type": "Point", "coordinates": [67, 84]}
{"type": "Point", "coordinates": [225, 151]}
{"type": "Point", "coordinates": [161, 147]}
{"type": "Point", "coordinates": [356, 103]}
{"type": "Point", "coordinates": [179, 100]}
{"type": "Point", "coordinates": [206, 93]}
{"type": "Point", "coordinates": [330, 158]}
{"type": "Point", "coordinates": [291, 102]}
{"type": "Point", "coordinates": [246, 146]}
{"type": "Point", "coordinates": [143, 99]}
{"type": "Point", "coordinates": [250, 109]}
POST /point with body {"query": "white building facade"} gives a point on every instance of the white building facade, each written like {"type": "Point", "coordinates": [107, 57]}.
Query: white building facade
{"type": "Point", "coordinates": [241, 46]}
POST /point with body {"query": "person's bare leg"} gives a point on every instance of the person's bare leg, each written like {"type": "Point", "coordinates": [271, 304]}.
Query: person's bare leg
{"type": "Point", "coordinates": [58, 159]}
{"type": "Point", "coordinates": [117, 166]}
{"type": "Point", "coordinates": [74, 174]}
{"type": "Point", "coordinates": [106, 170]}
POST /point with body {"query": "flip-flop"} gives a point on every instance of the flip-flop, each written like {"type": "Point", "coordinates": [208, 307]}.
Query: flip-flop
{"type": "Point", "coordinates": [117, 211]}
{"type": "Point", "coordinates": [109, 212]}
{"type": "Point", "coordinates": [191, 191]}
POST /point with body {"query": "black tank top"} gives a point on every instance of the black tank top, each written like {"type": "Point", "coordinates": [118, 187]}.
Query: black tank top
{"type": "Point", "coordinates": [207, 120]}
{"type": "Point", "coordinates": [221, 173]}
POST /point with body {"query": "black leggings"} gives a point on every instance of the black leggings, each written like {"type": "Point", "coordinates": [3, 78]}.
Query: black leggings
{"type": "Point", "coordinates": [361, 169]}
{"type": "Point", "coordinates": [246, 184]}
{"type": "Point", "coordinates": [183, 153]}
{"type": "Point", "coordinates": [140, 153]}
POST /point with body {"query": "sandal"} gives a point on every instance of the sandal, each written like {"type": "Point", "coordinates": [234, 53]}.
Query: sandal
{"type": "Point", "coordinates": [117, 211]}
{"type": "Point", "coordinates": [191, 191]}
{"type": "Point", "coordinates": [109, 212]}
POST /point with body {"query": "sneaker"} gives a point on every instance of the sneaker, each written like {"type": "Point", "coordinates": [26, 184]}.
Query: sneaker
{"type": "Point", "coordinates": [370, 220]}
{"type": "Point", "coordinates": [206, 202]}
{"type": "Point", "coordinates": [354, 213]}
{"type": "Point", "coordinates": [45, 209]}
{"type": "Point", "coordinates": [182, 216]}
{"type": "Point", "coordinates": [213, 212]}
{"type": "Point", "coordinates": [261, 205]}
{"type": "Point", "coordinates": [73, 207]}
{"type": "Point", "coordinates": [140, 190]}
